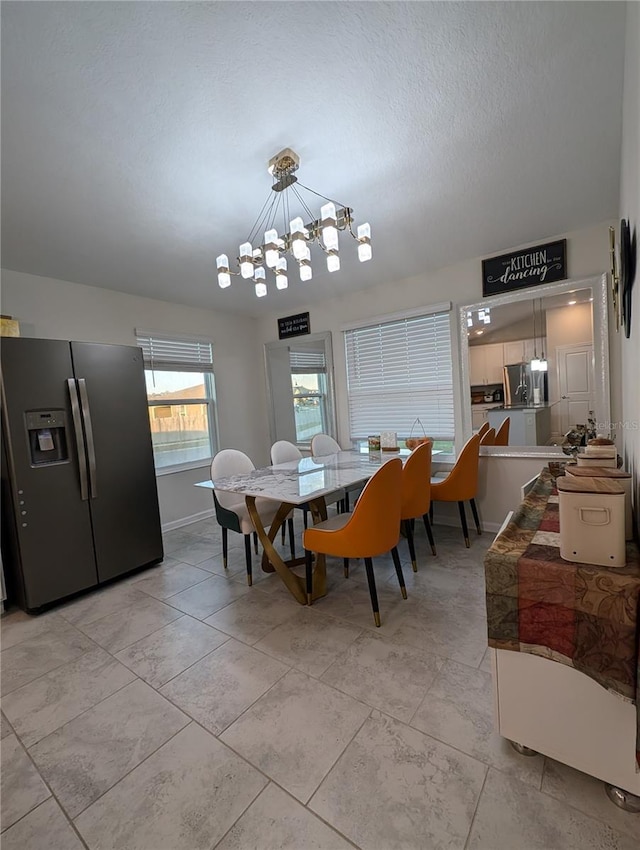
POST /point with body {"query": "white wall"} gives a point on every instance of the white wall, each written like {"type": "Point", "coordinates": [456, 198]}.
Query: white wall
{"type": "Point", "coordinates": [56, 309]}
{"type": "Point", "coordinates": [630, 209]}
{"type": "Point", "coordinates": [587, 255]}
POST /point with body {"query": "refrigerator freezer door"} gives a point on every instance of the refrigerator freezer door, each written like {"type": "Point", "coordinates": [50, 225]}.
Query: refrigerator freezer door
{"type": "Point", "coordinates": [125, 513]}
{"type": "Point", "coordinates": [51, 554]}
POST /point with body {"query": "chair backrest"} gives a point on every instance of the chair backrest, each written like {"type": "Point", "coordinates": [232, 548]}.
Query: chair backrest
{"type": "Point", "coordinates": [502, 434]}
{"type": "Point", "coordinates": [488, 438]}
{"type": "Point", "coordinates": [416, 482]}
{"type": "Point", "coordinates": [283, 450]}
{"type": "Point", "coordinates": [483, 429]}
{"type": "Point", "coordinates": [323, 444]}
{"type": "Point", "coordinates": [229, 462]}
{"type": "Point", "coordinates": [374, 526]}
{"type": "Point", "coordinates": [463, 478]}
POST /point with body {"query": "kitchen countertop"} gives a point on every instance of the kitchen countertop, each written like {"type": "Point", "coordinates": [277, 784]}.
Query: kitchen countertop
{"type": "Point", "coordinates": [527, 408]}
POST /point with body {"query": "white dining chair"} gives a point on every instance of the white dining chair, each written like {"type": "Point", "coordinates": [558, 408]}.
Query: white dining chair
{"type": "Point", "coordinates": [231, 509]}
{"type": "Point", "coordinates": [323, 445]}
{"type": "Point", "coordinates": [283, 451]}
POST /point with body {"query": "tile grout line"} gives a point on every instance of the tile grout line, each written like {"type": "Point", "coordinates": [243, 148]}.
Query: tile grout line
{"type": "Point", "coordinates": [52, 796]}
{"type": "Point", "coordinates": [475, 811]}
{"type": "Point", "coordinates": [71, 719]}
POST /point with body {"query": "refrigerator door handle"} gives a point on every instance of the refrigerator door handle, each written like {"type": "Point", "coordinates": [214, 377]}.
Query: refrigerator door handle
{"type": "Point", "coordinates": [88, 431]}
{"type": "Point", "coordinates": [77, 427]}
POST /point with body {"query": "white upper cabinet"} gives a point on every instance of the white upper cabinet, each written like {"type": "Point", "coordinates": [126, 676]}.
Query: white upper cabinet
{"type": "Point", "coordinates": [514, 351]}
{"type": "Point", "coordinates": [485, 364]}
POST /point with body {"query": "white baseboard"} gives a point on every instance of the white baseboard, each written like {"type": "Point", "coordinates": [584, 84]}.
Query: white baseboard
{"type": "Point", "coordinates": [187, 520]}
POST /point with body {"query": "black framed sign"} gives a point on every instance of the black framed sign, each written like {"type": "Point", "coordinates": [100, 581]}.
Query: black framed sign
{"type": "Point", "coordinates": [297, 325]}
{"type": "Point", "coordinates": [521, 269]}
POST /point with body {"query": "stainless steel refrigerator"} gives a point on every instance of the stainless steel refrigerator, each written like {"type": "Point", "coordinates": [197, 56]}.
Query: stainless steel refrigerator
{"type": "Point", "coordinates": [79, 496]}
{"type": "Point", "coordinates": [519, 384]}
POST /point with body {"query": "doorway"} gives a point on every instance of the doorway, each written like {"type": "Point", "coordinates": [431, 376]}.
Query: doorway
{"type": "Point", "coordinates": [575, 385]}
{"type": "Point", "coordinates": [300, 388]}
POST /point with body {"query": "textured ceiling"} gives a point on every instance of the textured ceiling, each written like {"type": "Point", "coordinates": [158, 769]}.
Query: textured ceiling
{"type": "Point", "coordinates": [135, 136]}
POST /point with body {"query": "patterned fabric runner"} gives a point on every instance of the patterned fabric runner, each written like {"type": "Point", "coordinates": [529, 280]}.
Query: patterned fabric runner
{"type": "Point", "coordinates": [582, 615]}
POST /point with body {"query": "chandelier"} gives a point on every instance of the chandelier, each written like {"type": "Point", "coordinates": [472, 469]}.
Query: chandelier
{"type": "Point", "coordinates": [296, 240]}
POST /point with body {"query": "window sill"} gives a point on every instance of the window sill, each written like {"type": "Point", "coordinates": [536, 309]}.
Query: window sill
{"type": "Point", "coordinates": [205, 463]}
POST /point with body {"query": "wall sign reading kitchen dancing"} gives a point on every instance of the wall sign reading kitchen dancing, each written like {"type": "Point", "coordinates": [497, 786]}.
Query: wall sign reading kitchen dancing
{"type": "Point", "coordinates": [521, 269]}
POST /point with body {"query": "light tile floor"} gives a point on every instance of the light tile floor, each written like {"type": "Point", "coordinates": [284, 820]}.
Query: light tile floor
{"type": "Point", "coordinates": [179, 709]}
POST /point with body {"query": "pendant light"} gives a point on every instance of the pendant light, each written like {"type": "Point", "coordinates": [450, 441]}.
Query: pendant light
{"type": "Point", "coordinates": [535, 362]}
{"type": "Point", "coordinates": [544, 365]}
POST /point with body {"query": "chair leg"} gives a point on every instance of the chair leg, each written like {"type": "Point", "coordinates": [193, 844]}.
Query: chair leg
{"type": "Point", "coordinates": [398, 566]}
{"type": "Point", "coordinates": [305, 516]}
{"type": "Point", "coordinates": [346, 502]}
{"type": "Point", "coordinates": [346, 568]}
{"type": "Point", "coordinates": [284, 533]}
{"type": "Point", "coordinates": [308, 563]}
{"type": "Point", "coordinates": [247, 555]}
{"type": "Point", "coordinates": [474, 511]}
{"type": "Point", "coordinates": [292, 544]}
{"type": "Point", "coordinates": [255, 542]}
{"type": "Point", "coordinates": [225, 546]}
{"type": "Point", "coordinates": [368, 563]}
{"type": "Point", "coordinates": [463, 520]}
{"type": "Point", "coordinates": [431, 511]}
{"type": "Point", "coordinates": [427, 526]}
{"type": "Point", "coordinates": [408, 531]}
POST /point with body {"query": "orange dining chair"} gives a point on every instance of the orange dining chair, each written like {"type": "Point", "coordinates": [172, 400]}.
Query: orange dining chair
{"type": "Point", "coordinates": [502, 434]}
{"type": "Point", "coordinates": [461, 484]}
{"type": "Point", "coordinates": [483, 429]}
{"type": "Point", "coordinates": [416, 496]}
{"type": "Point", "coordinates": [372, 529]}
{"type": "Point", "coordinates": [488, 438]}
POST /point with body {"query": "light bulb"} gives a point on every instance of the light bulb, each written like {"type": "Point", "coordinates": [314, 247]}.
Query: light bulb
{"type": "Point", "coordinates": [329, 226]}
{"type": "Point", "coordinates": [246, 263]}
{"type": "Point", "coordinates": [364, 238]}
{"type": "Point", "coordinates": [333, 261]}
{"type": "Point", "coordinates": [544, 364]}
{"type": "Point", "coordinates": [298, 238]}
{"type": "Point", "coordinates": [282, 281]}
{"type": "Point", "coordinates": [364, 252]}
{"type": "Point", "coordinates": [271, 248]}
{"type": "Point", "coordinates": [261, 289]}
{"type": "Point", "coordinates": [535, 364]}
{"type": "Point", "coordinates": [224, 279]}
{"type": "Point", "coordinates": [259, 278]}
{"type": "Point", "coordinates": [305, 270]}
{"type": "Point", "coordinates": [222, 262]}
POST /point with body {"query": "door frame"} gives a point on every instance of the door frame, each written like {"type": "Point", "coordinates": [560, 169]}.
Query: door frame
{"type": "Point", "coordinates": [567, 349]}
{"type": "Point", "coordinates": [325, 338]}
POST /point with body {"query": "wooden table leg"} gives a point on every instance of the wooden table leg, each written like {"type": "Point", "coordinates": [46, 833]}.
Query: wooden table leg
{"type": "Point", "coordinates": [294, 583]}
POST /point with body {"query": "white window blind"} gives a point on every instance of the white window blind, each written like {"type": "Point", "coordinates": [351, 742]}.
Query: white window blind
{"type": "Point", "coordinates": [398, 371]}
{"type": "Point", "coordinates": [307, 362]}
{"type": "Point", "coordinates": [185, 354]}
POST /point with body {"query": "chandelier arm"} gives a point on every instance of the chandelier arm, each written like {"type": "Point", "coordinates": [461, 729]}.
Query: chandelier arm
{"type": "Point", "coordinates": [313, 191]}
{"type": "Point", "coordinates": [251, 232]}
{"type": "Point", "coordinates": [261, 223]}
{"type": "Point", "coordinates": [301, 199]}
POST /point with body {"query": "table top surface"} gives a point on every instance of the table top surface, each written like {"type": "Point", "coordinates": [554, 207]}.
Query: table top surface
{"type": "Point", "coordinates": [299, 481]}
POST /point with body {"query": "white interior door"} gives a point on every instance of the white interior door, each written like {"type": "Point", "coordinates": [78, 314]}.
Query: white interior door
{"type": "Point", "coordinates": [575, 385]}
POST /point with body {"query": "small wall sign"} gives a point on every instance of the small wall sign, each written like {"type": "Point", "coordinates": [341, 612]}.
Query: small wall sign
{"type": "Point", "coordinates": [297, 325]}
{"type": "Point", "coordinates": [521, 269]}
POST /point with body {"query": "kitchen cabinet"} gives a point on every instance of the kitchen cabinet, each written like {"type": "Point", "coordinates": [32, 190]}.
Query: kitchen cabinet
{"type": "Point", "coordinates": [479, 415]}
{"type": "Point", "coordinates": [485, 364]}
{"type": "Point", "coordinates": [514, 351]}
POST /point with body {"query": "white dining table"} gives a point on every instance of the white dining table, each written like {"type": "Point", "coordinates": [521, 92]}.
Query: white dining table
{"type": "Point", "coordinates": [295, 483]}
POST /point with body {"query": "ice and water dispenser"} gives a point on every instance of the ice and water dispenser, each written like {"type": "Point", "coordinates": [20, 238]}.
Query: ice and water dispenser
{"type": "Point", "coordinates": [47, 430]}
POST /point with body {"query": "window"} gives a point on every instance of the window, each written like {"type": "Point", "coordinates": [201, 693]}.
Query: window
{"type": "Point", "coordinates": [181, 398]}
{"type": "Point", "coordinates": [309, 385]}
{"type": "Point", "coordinates": [398, 371]}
